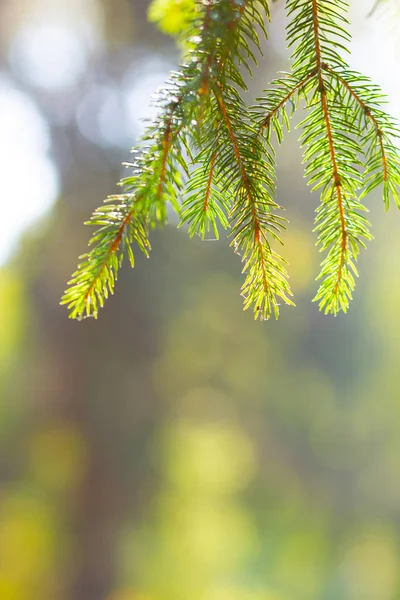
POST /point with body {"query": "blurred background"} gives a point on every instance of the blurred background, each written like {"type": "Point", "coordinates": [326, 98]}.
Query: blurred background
{"type": "Point", "coordinates": [175, 448]}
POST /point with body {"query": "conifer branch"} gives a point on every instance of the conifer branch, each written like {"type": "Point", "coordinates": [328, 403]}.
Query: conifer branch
{"type": "Point", "coordinates": [205, 204]}
{"type": "Point", "coordinates": [365, 95]}
{"type": "Point", "coordinates": [330, 139]}
{"type": "Point", "coordinates": [254, 221]}
{"type": "Point", "coordinates": [224, 30]}
{"type": "Point", "coordinates": [337, 182]}
{"type": "Point", "coordinates": [294, 89]}
{"type": "Point", "coordinates": [337, 190]}
{"type": "Point", "coordinates": [348, 141]}
{"type": "Point", "coordinates": [367, 112]}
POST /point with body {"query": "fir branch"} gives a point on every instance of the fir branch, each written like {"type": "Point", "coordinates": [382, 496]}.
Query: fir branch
{"type": "Point", "coordinates": [344, 120]}
{"type": "Point", "coordinates": [338, 192]}
{"type": "Point", "coordinates": [340, 183]}
{"type": "Point", "coordinates": [268, 110]}
{"type": "Point", "coordinates": [118, 229]}
{"type": "Point", "coordinates": [378, 139]}
{"type": "Point", "coordinates": [331, 150]}
{"type": "Point", "coordinates": [349, 149]}
{"type": "Point", "coordinates": [224, 40]}
{"type": "Point", "coordinates": [254, 219]}
{"type": "Point", "coordinates": [285, 90]}
{"type": "Point", "coordinates": [206, 203]}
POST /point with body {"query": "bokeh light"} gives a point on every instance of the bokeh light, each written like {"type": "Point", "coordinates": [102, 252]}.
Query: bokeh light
{"type": "Point", "coordinates": [29, 182]}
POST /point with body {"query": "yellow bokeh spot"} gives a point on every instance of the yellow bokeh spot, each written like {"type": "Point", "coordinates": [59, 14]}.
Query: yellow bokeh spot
{"type": "Point", "coordinates": [27, 539]}
{"type": "Point", "coordinates": [172, 16]}
{"type": "Point", "coordinates": [209, 535]}
{"type": "Point", "coordinates": [214, 458]}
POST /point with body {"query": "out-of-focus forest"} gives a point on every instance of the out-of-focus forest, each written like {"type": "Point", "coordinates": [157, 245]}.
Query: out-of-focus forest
{"type": "Point", "coordinates": [175, 448]}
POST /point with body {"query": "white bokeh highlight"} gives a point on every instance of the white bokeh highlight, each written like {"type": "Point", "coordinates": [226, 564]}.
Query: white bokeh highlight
{"type": "Point", "coordinates": [28, 183]}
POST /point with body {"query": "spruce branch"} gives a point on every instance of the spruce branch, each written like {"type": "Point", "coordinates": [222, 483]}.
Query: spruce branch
{"type": "Point", "coordinates": [338, 283]}
{"type": "Point", "coordinates": [223, 33]}
{"type": "Point", "coordinates": [253, 214]}
{"type": "Point", "coordinates": [205, 205]}
{"type": "Point", "coordinates": [378, 132]}
{"type": "Point", "coordinates": [213, 160]}
{"type": "Point", "coordinates": [348, 140]}
{"type": "Point", "coordinates": [125, 219]}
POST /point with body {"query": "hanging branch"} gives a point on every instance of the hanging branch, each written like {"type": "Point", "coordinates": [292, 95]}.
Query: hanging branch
{"type": "Point", "coordinates": [229, 180]}
{"type": "Point", "coordinates": [377, 129]}
{"type": "Point", "coordinates": [222, 28]}
{"type": "Point", "coordinates": [343, 118]}
{"type": "Point", "coordinates": [255, 221]}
